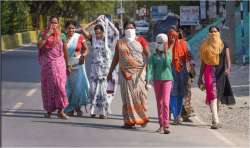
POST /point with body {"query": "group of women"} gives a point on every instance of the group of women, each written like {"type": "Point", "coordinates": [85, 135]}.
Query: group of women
{"type": "Point", "coordinates": [66, 87]}
{"type": "Point", "coordinates": [62, 56]}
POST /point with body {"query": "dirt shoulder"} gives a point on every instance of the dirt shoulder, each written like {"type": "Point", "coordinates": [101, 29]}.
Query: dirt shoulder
{"type": "Point", "coordinates": [235, 119]}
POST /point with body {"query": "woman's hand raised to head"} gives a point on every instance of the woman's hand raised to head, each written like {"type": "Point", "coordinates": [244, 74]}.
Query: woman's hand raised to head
{"type": "Point", "coordinates": [166, 47]}
{"type": "Point", "coordinates": [101, 17]}
{"type": "Point", "coordinates": [92, 23]}
{"type": "Point", "coordinates": [51, 31]}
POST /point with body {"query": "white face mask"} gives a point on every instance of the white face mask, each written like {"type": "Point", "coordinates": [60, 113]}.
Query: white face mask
{"type": "Point", "coordinates": [160, 47]}
{"type": "Point", "coordinates": [130, 34]}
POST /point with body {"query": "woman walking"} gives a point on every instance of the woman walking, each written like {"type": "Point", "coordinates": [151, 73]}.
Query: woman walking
{"type": "Point", "coordinates": [100, 65]}
{"type": "Point", "coordinates": [187, 109]}
{"type": "Point", "coordinates": [52, 56]}
{"type": "Point", "coordinates": [180, 74]}
{"type": "Point", "coordinates": [159, 70]}
{"type": "Point", "coordinates": [215, 68]}
{"type": "Point", "coordinates": [131, 53]}
{"type": "Point", "coordinates": [77, 82]}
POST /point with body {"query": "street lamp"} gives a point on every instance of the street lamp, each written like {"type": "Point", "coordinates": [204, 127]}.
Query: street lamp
{"type": "Point", "coordinates": [121, 17]}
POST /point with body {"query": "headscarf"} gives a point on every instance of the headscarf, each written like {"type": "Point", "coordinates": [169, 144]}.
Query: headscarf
{"type": "Point", "coordinates": [211, 48]}
{"type": "Point", "coordinates": [54, 38]}
{"type": "Point", "coordinates": [180, 51]}
{"type": "Point", "coordinates": [161, 38]}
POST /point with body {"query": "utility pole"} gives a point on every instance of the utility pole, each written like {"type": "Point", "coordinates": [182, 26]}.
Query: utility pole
{"type": "Point", "coordinates": [242, 32]}
{"type": "Point", "coordinates": [121, 22]}
{"type": "Point", "coordinates": [230, 22]}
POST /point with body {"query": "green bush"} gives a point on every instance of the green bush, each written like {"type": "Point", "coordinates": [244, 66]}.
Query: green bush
{"type": "Point", "coordinates": [15, 17]}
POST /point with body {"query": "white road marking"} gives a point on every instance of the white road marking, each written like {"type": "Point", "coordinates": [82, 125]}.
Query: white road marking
{"type": "Point", "coordinates": [31, 92]}
{"type": "Point", "coordinates": [216, 133]}
{"type": "Point", "coordinates": [5, 51]}
{"type": "Point", "coordinates": [18, 50]}
{"type": "Point", "coordinates": [237, 86]}
{"type": "Point", "coordinates": [15, 108]}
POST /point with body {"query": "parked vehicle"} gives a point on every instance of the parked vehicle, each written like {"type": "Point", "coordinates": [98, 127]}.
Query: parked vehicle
{"type": "Point", "coordinates": [142, 27]}
{"type": "Point", "coordinates": [162, 26]}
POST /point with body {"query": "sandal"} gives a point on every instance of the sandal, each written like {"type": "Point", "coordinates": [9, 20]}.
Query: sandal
{"type": "Point", "coordinates": [79, 113]}
{"type": "Point", "coordinates": [109, 116]}
{"type": "Point", "coordinates": [187, 120]}
{"type": "Point", "coordinates": [62, 115]}
{"type": "Point", "coordinates": [102, 117]}
{"type": "Point", "coordinates": [159, 130]}
{"type": "Point", "coordinates": [47, 115]}
{"type": "Point", "coordinates": [176, 122]}
{"type": "Point", "coordinates": [128, 126]}
{"type": "Point", "coordinates": [70, 113]}
{"type": "Point", "coordinates": [144, 125]}
{"type": "Point", "coordinates": [166, 131]}
{"type": "Point", "coordinates": [216, 126]}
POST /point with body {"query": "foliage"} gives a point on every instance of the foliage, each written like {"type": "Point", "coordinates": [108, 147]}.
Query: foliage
{"type": "Point", "coordinates": [26, 15]}
{"type": "Point", "coordinates": [14, 16]}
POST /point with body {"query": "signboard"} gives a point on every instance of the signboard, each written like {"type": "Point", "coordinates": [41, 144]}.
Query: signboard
{"type": "Point", "coordinates": [222, 9]}
{"type": "Point", "coordinates": [120, 11]}
{"type": "Point", "coordinates": [212, 9]}
{"type": "Point", "coordinates": [142, 12]}
{"type": "Point", "coordinates": [189, 15]}
{"type": "Point", "coordinates": [203, 9]}
{"type": "Point", "coordinates": [159, 12]}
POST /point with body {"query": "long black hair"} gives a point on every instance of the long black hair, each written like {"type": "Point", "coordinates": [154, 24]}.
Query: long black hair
{"type": "Point", "coordinates": [70, 22]}
{"type": "Point", "coordinates": [99, 27]}
{"type": "Point", "coordinates": [53, 16]}
{"type": "Point", "coordinates": [211, 27]}
{"type": "Point", "coordinates": [127, 23]}
{"type": "Point", "coordinates": [181, 33]}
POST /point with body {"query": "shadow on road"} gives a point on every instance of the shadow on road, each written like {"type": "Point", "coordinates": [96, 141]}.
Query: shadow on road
{"type": "Point", "coordinates": [21, 116]}
{"type": "Point", "coordinates": [120, 117]}
{"type": "Point", "coordinates": [39, 114]}
{"type": "Point", "coordinates": [98, 126]}
{"type": "Point", "coordinates": [92, 125]}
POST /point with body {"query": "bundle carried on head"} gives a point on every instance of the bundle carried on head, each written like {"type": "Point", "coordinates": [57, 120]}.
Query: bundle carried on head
{"type": "Point", "coordinates": [111, 33]}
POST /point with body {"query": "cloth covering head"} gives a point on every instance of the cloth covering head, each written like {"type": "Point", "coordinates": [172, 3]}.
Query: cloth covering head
{"type": "Point", "coordinates": [180, 51]}
{"type": "Point", "coordinates": [160, 38]}
{"type": "Point", "coordinates": [211, 48]}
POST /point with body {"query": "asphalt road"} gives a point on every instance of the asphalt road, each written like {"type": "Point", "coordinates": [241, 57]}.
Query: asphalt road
{"type": "Point", "coordinates": [23, 124]}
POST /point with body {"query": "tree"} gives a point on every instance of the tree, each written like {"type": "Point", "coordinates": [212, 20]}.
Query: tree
{"type": "Point", "coordinates": [16, 13]}
{"type": "Point", "coordinates": [38, 8]}
{"type": "Point", "coordinates": [230, 22]}
{"type": "Point", "coordinates": [14, 16]}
